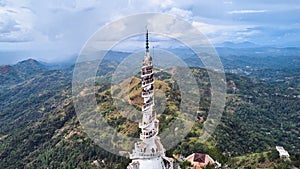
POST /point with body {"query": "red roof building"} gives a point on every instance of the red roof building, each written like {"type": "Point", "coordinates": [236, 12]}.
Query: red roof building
{"type": "Point", "coordinates": [199, 161]}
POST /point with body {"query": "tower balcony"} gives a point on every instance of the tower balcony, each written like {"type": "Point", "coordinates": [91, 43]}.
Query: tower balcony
{"type": "Point", "coordinates": [148, 100]}
{"type": "Point", "coordinates": [144, 74]}
{"type": "Point", "coordinates": [147, 106]}
{"type": "Point", "coordinates": [147, 82]}
{"type": "Point", "coordinates": [147, 67]}
{"type": "Point", "coordinates": [148, 134]}
{"type": "Point", "coordinates": [148, 93]}
{"type": "Point", "coordinates": [141, 155]}
{"type": "Point", "coordinates": [146, 70]}
{"type": "Point", "coordinates": [147, 64]}
{"type": "Point", "coordinates": [147, 77]}
{"type": "Point", "coordinates": [146, 124]}
{"type": "Point", "coordinates": [148, 89]}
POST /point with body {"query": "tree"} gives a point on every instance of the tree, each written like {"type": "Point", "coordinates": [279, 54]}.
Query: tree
{"type": "Point", "coordinates": [185, 164]}
{"type": "Point", "coordinates": [261, 158]}
{"type": "Point", "coordinates": [273, 155]}
{"type": "Point", "coordinates": [209, 166]}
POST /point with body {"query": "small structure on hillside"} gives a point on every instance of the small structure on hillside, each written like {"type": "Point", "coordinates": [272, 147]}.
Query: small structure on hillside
{"type": "Point", "coordinates": [282, 152]}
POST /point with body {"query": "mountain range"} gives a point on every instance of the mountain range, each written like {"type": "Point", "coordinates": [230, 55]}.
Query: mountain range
{"type": "Point", "coordinates": [39, 127]}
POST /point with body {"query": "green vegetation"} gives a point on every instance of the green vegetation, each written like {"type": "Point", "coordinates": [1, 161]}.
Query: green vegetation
{"type": "Point", "coordinates": [185, 164]}
{"type": "Point", "coordinates": [39, 128]}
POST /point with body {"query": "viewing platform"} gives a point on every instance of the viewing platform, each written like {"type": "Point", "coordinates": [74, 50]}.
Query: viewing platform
{"type": "Point", "coordinates": [148, 134]}
{"type": "Point", "coordinates": [146, 124]}
{"type": "Point", "coordinates": [147, 82]}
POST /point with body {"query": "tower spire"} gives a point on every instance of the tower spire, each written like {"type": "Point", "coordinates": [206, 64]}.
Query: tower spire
{"type": "Point", "coordinates": [147, 42]}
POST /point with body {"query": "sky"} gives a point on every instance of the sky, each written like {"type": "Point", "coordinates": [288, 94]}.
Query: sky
{"type": "Point", "coordinates": [56, 30]}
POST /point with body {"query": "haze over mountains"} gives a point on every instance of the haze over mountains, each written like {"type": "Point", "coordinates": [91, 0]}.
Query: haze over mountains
{"type": "Point", "coordinates": [246, 47]}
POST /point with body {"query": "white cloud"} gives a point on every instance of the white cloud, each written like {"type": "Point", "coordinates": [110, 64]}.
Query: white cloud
{"type": "Point", "coordinates": [227, 2]}
{"type": "Point", "coordinates": [162, 4]}
{"type": "Point", "coordinates": [219, 33]}
{"type": "Point", "coordinates": [59, 28]}
{"type": "Point", "coordinates": [184, 14]}
{"type": "Point", "coordinates": [247, 11]}
{"type": "Point", "coordinates": [15, 24]}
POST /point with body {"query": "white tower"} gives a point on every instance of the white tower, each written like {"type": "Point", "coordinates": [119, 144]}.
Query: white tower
{"type": "Point", "coordinates": [149, 152]}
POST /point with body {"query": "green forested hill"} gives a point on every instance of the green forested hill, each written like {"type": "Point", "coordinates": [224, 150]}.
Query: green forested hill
{"type": "Point", "coordinates": [39, 127]}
